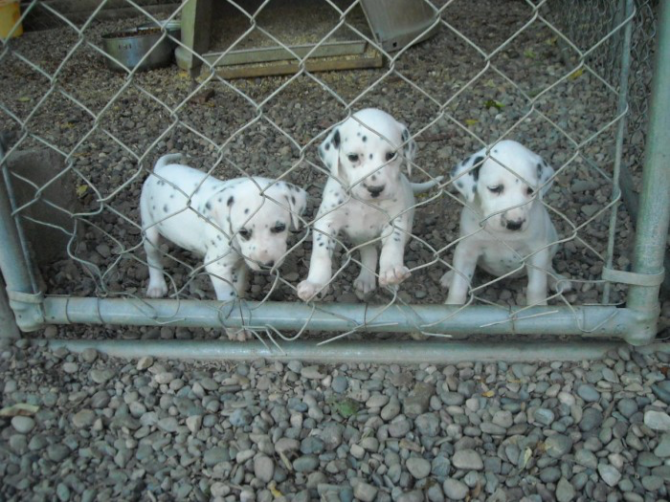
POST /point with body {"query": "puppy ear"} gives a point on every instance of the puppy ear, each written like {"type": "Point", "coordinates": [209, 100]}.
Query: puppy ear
{"type": "Point", "coordinates": [408, 149]}
{"type": "Point", "coordinates": [297, 203]}
{"type": "Point", "coordinates": [545, 176]}
{"type": "Point", "coordinates": [467, 172]}
{"type": "Point", "coordinates": [329, 151]}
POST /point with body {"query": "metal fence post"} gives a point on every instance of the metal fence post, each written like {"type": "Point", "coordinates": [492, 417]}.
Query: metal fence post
{"type": "Point", "coordinates": [24, 301]}
{"type": "Point", "coordinates": [654, 215]}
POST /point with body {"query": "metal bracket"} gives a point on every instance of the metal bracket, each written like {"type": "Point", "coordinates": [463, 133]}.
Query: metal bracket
{"type": "Point", "coordinates": [633, 278]}
{"type": "Point", "coordinates": [27, 308]}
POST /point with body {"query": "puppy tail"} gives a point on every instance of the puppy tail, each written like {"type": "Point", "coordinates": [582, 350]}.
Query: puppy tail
{"type": "Point", "coordinates": [166, 160]}
{"type": "Point", "coordinates": [422, 187]}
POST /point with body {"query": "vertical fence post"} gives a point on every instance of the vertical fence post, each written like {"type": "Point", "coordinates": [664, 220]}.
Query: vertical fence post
{"type": "Point", "coordinates": [654, 214]}
{"type": "Point", "coordinates": [24, 301]}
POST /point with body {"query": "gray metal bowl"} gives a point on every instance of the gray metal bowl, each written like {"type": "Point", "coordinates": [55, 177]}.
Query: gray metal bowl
{"type": "Point", "coordinates": [128, 47]}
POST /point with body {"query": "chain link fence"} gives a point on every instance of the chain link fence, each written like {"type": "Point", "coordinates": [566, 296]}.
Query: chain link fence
{"type": "Point", "coordinates": [547, 74]}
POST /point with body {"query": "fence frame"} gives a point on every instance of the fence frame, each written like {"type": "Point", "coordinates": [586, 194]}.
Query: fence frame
{"type": "Point", "coordinates": [636, 324]}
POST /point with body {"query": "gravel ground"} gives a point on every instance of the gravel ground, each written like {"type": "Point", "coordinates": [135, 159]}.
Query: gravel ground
{"type": "Point", "coordinates": [96, 428]}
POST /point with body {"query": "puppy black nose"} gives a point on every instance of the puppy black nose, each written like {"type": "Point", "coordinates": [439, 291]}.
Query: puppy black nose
{"type": "Point", "coordinates": [514, 225]}
{"type": "Point", "coordinates": [270, 264]}
{"type": "Point", "coordinates": [375, 191]}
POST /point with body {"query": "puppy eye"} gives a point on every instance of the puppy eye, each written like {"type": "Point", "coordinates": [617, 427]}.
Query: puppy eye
{"type": "Point", "coordinates": [245, 234]}
{"type": "Point", "coordinates": [496, 189]}
{"type": "Point", "coordinates": [278, 228]}
{"type": "Point", "coordinates": [353, 157]}
{"type": "Point", "coordinates": [391, 155]}
{"type": "Point", "coordinates": [530, 191]}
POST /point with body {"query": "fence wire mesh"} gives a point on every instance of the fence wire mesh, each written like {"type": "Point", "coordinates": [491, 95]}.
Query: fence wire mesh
{"type": "Point", "coordinates": [545, 73]}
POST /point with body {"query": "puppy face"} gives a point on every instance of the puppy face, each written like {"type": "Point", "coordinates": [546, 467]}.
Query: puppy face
{"type": "Point", "coordinates": [260, 216]}
{"type": "Point", "coordinates": [504, 183]}
{"type": "Point", "coordinates": [366, 153]}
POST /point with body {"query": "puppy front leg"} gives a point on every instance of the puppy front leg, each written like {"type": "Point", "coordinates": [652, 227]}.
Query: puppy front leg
{"type": "Point", "coordinates": [537, 267]}
{"type": "Point", "coordinates": [365, 282]}
{"type": "Point", "coordinates": [392, 269]}
{"type": "Point", "coordinates": [321, 264]}
{"type": "Point", "coordinates": [229, 280]}
{"type": "Point", "coordinates": [465, 262]}
{"type": "Point", "coordinates": [157, 287]}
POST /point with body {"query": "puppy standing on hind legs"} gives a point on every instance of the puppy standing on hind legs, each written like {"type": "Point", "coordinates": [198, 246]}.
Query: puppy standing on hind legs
{"type": "Point", "coordinates": [368, 198]}
{"type": "Point", "coordinates": [235, 224]}
{"type": "Point", "coordinates": [504, 225]}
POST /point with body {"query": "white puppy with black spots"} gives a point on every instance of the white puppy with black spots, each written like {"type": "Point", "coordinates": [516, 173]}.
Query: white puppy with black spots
{"type": "Point", "coordinates": [367, 198]}
{"type": "Point", "coordinates": [504, 225]}
{"type": "Point", "coordinates": [236, 224]}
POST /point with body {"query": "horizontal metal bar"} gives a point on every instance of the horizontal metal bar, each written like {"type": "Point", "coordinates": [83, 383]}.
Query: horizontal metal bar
{"type": "Point", "coordinates": [437, 319]}
{"type": "Point", "coordinates": [278, 53]}
{"type": "Point", "coordinates": [428, 352]}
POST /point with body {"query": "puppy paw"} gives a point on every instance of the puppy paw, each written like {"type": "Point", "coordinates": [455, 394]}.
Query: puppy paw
{"type": "Point", "coordinates": [394, 275]}
{"type": "Point", "coordinates": [446, 279]}
{"type": "Point", "coordinates": [308, 291]}
{"type": "Point", "coordinates": [239, 334]}
{"type": "Point", "coordinates": [364, 287]}
{"type": "Point", "coordinates": [157, 290]}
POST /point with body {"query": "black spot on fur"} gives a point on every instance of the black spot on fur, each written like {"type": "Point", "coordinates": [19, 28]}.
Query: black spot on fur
{"type": "Point", "coordinates": [405, 135]}
{"type": "Point", "coordinates": [230, 201]}
{"type": "Point", "coordinates": [208, 205]}
{"type": "Point", "coordinates": [220, 199]}
{"type": "Point", "coordinates": [364, 138]}
{"type": "Point", "coordinates": [539, 170]}
{"type": "Point", "coordinates": [246, 211]}
{"type": "Point", "coordinates": [358, 134]}
{"type": "Point", "coordinates": [370, 156]}
{"type": "Point", "coordinates": [293, 199]}
{"type": "Point", "coordinates": [336, 138]}
{"type": "Point", "coordinates": [459, 184]}
{"type": "Point", "coordinates": [327, 146]}
{"type": "Point", "coordinates": [474, 188]}
{"type": "Point", "coordinates": [475, 172]}
{"type": "Point", "coordinates": [165, 208]}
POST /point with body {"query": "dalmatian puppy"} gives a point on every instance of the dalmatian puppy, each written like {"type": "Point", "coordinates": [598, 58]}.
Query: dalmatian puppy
{"type": "Point", "coordinates": [504, 225]}
{"type": "Point", "coordinates": [368, 198]}
{"type": "Point", "coordinates": [236, 224]}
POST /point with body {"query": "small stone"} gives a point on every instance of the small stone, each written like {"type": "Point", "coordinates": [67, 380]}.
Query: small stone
{"type": "Point", "coordinates": [285, 445]}
{"type": "Point", "coordinates": [627, 407]}
{"type": "Point", "coordinates": [588, 393]}
{"type": "Point", "coordinates": [365, 492]}
{"type": "Point", "coordinates": [264, 468]}
{"type": "Point", "coordinates": [89, 355]}
{"type": "Point", "coordinates": [418, 467]}
{"type": "Point", "coordinates": [311, 373]}
{"type": "Point", "coordinates": [657, 420]}
{"type": "Point", "coordinates": [101, 376]}
{"type": "Point", "coordinates": [168, 424]}
{"type": "Point", "coordinates": [592, 418]}
{"type": "Point", "coordinates": [216, 455]}
{"type": "Point", "coordinates": [164, 377]}
{"type": "Point", "coordinates": [652, 483]}
{"type": "Point", "coordinates": [418, 400]}
{"type": "Point", "coordinates": [558, 445]}
{"type": "Point", "coordinates": [145, 362]}
{"type": "Point", "coordinates": [455, 489]}
{"type": "Point", "coordinates": [609, 474]}
{"type": "Point", "coordinates": [399, 428]}
{"type": "Point", "coordinates": [70, 368]}
{"type": "Point", "coordinates": [340, 384]}
{"type": "Point", "coordinates": [503, 418]}
{"type": "Point", "coordinates": [23, 425]}
{"type": "Point", "coordinates": [63, 492]}
{"type": "Point", "coordinates": [468, 460]}
{"type": "Point", "coordinates": [83, 418]}
{"type": "Point", "coordinates": [194, 422]}
{"type": "Point", "coordinates": [391, 410]}
{"type": "Point", "coordinates": [565, 492]}
{"type": "Point", "coordinates": [306, 463]}
{"type": "Point", "coordinates": [586, 459]}
{"type": "Point", "coordinates": [662, 450]}
{"type": "Point", "coordinates": [662, 390]}
{"type": "Point", "coordinates": [544, 416]}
